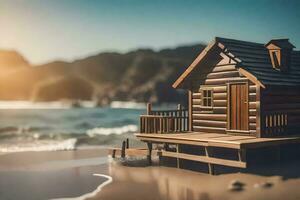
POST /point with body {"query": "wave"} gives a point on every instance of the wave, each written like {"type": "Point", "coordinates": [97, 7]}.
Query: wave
{"type": "Point", "coordinates": [44, 105]}
{"type": "Point", "coordinates": [22, 129]}
{"type": "Point", "coordinates": [39, 145]}
{"type": "Point", "coordinates": [127, 105]}
{"type": "Point", "coordinates": [115, 130]}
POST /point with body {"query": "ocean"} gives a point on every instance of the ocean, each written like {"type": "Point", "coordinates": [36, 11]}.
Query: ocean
{"type": "Point", "coordinates": [25, 126]}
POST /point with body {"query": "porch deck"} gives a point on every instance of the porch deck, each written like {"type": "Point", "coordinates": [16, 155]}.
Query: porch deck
{"type": "Point", "coordinates": [217, 140]}
{"type": "Point", "coordinates": [207, 143]}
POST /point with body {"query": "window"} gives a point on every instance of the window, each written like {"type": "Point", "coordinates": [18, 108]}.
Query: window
{"type": "Point", "coordinates": [207, 97]}
{"type": "Point", "coordinates": [275, 57]}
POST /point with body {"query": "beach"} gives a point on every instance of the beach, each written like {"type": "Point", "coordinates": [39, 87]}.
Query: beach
{"type": "Point", "coordinates": [78, 174]}
{"type": "Point", "coordinates": [51, 174]}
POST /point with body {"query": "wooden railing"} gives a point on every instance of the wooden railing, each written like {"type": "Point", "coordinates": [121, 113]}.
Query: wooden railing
{"type": "Point", "coordinates": [275, 123]}
{"type": "Point", "coordinates": [164, 121]}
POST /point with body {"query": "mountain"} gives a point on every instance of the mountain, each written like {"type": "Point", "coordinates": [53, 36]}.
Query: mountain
{"type": "Point", "coordinates": [141, 75]}
{"type": "Point", "coordinates": [11, 61]}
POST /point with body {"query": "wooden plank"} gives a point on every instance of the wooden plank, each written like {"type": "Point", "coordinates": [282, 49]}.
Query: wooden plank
{"type": "Point", "coordinates": [223, 74]}
{"type": "Point", "coordinates": [233, 106]}
{"type": "Point", "coordinates": [190, 121]}
{"type": "Point", "coordinates": [223, 80]}
{"type": "Point", "coordinates": [208, 116]}
{"type": "Point", "coordinates": [223, 68]}
{"type": "Point", "coordinates": [172, 141]}
{"type": "Point", "coordinates": [221, 103]}
{"type": "Point", "coordinates": [209, 129]}
{"type": "Point", "coordinates": [210, 123]}
{"type": "Point", "coordinates": [219, 96]}
{"type": "Point", "coordinates": [264, 142]}
{"type": "Point", "coordinates": [236, 138]}
{"type": "Point", "coordinates": [211, 160]}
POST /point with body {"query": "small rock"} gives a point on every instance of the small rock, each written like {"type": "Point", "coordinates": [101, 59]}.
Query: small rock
{"type": "Point", "coordinates": [263, 185]}
{"type": "Point", "coordinates": [267, 185]}
{"type": "Point", "coordinates": [236, 185]}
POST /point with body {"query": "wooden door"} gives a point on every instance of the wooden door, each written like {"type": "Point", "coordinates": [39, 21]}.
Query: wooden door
{"type": "Point", "coordinates": [238, 113]}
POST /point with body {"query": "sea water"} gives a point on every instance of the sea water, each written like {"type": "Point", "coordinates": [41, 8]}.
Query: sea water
{"type": "Point", "coordinates": [53, 127]}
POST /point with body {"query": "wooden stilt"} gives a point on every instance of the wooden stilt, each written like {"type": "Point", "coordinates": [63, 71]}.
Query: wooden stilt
{"type": "Point", "coordinates": [177, 159]}
{"type": "Point", "coordinates": [149, 144]}
{"type": "Point", "coordinates": [113, 153]}
{"type": "Point", "coordinates": [123, 149]}
{"type": "Point", "coordinates": [160, 158]}
{"type": "Point", "coordinates": [127, 143]}
{"type": "Point", "coordinates": [208, 153]}
{"type": "Point", "coordinates": [242, 155]}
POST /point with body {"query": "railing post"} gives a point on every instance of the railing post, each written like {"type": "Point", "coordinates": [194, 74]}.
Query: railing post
{"type": "Point", "coordinates": [149, 107]}
{"type": "Point", "coordinates": [180, 117]}
{"type": "Point", "coordinates": [179, 107]}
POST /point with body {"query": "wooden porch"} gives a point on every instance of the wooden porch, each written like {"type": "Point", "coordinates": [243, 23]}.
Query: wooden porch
{"type": "Point", "coordinates": [168, 135]}
{"type": "Point", "coordinates": [201, 147]}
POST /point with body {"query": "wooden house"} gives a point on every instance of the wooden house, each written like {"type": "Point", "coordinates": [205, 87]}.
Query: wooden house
{"type": "Point", "coordinates": [242, 96]}
{"type": "Point", "coordinates": [238, 87]}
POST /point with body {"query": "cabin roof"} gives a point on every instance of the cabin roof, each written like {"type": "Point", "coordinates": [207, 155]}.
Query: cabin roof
{"type": "Point", "coordinates": [253, 61]}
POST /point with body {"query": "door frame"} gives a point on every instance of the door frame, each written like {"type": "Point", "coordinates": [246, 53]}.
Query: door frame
{"type": "Point", "coordinates": [228, 129]}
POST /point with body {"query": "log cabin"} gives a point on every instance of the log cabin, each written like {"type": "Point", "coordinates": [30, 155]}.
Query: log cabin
{"type": "Point", "coordinates": [238, 87]}
{"type": "Point", "coordinates": [242, 97]}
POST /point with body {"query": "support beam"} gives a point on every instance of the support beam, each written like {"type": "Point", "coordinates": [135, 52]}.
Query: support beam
{"type": "Point", "coordinates": [177, 159]}
{"type": "Point", "coordinates": [149, 157]}
{"type": "Point", "coordinates": [208, 153]}
{"type": "Point", "coordinates": [242, 155]}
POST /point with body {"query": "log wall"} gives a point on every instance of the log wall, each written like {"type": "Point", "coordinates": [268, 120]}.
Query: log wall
{"type": "Point", "coordinates": [215, 119]}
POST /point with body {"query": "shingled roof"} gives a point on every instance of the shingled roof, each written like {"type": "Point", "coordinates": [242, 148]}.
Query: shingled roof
{"type": "Point", "coordinates": [254, 58]}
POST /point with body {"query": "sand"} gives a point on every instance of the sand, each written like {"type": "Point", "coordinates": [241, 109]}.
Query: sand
{"type": "Point", "coordinates": [49, 175]}
{"type": "Point", "coordinates": [163, 183]}
{"type": "Point", "coordinates": [65, 174]}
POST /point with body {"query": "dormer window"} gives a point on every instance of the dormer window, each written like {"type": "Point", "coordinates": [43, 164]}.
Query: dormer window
{"type": "Point", "coordinates": [275, 56]}
{"type": "Point", "coordinates": [280, 53]}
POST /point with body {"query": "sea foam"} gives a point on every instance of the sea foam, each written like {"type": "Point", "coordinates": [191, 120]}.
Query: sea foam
{"type": "Point", "coordinates": [127, 105]}
{"type": "Point", "coordinates": [69, 144]}
{"type": "Point", "coordinates": [115, 130]}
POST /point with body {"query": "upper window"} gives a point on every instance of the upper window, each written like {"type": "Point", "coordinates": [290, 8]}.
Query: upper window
{"type": "Point", "coordinates": [207, 97]}
{"type": "Point", "coordinates": [275, 57]}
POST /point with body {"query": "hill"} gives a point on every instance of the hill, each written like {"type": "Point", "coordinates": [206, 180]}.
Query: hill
{"type": "Point", "coordinates": [139, 75]}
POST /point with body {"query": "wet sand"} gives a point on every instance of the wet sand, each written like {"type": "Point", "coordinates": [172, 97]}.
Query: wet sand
{"type": "Point", "coordinates": [69, 174]}
{"type": "Point", "coordinates": [163, 183]}
{"type": "Point", "coordinates": [50, 175]}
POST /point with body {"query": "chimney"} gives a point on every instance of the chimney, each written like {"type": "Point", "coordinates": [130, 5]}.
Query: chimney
{"type": "Point", "coordinates": [280, 53]}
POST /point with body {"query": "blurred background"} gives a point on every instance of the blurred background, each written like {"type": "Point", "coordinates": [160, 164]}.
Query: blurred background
{"type": "Point", "coordinates": [76, 72]}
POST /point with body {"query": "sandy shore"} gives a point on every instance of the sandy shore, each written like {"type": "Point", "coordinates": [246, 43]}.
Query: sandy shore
{"type": "Point", "coordinates": [163, 183]}
{"type": "Point", "coordinates": [50, 175]}
{"type": "Point", "coordinates": [69, 174]}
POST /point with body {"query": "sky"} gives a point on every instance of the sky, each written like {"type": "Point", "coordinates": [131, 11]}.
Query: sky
{"type": "Point", "coordinates": [47, 30]}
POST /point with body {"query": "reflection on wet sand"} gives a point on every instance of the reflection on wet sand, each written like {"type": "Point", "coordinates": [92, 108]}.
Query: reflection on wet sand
{"type": "Point", "coordinates": [176, 184]}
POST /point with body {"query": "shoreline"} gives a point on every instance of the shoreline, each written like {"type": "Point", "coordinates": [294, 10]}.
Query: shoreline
{"type": "Point", "coordinates": [52, 174]}
{"type": "Point", "coordinates": [88, 173]}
